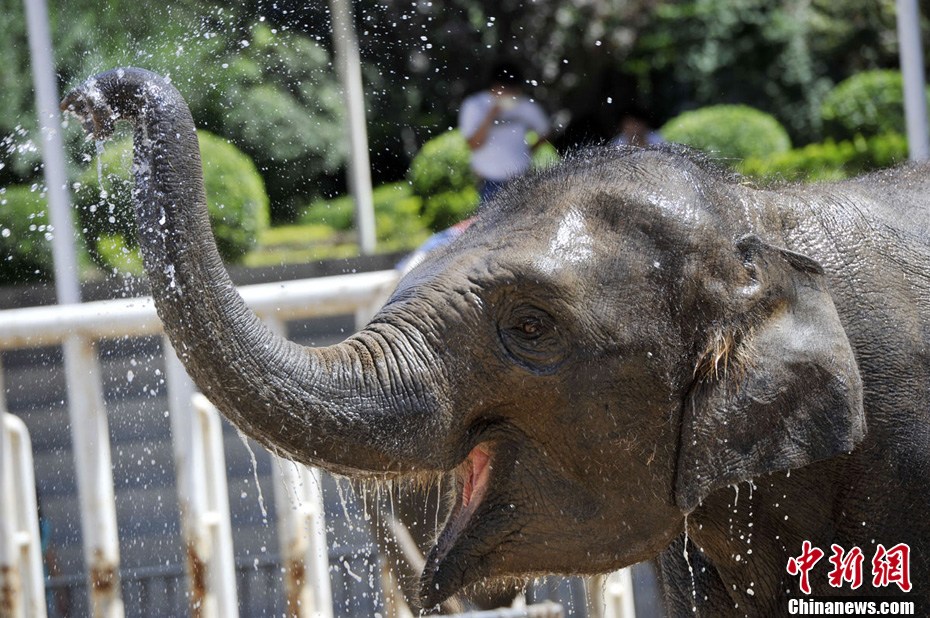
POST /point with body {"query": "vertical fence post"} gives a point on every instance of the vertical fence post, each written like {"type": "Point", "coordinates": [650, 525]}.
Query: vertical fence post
{"type": "Point", "coordinates": [302, 536]}
{"type": "Point", "coordinates": [613, 594]}
{"type": "Point", "coordinates": [298, 495]}
{"type": "Point", "coordinates": [200, 468]}
{"type": "Point", "coordinates": [22, 589]}
{"type": "Point", "coordinates": [94, 470]}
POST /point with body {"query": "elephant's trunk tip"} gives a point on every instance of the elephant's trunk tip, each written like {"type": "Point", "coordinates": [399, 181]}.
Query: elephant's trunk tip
{"type": "Point", "coordinates": [118, 93]}
{"type": "Point", "coordinates": [90, 106]}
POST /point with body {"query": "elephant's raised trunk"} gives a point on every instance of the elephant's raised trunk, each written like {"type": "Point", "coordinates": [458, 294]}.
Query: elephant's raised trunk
{"type": "Point", "coordinates": [338, 407]}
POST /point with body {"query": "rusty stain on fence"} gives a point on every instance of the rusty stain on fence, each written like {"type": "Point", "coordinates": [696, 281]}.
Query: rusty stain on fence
{"type": "Point", "coordinates": [104, 578]}
{"type": "Point", "coordinates": [9, 591]}
{"type": "Point", "coordinates": [197, 571]}
{"type": "Point", "coordinates": [295, 578]}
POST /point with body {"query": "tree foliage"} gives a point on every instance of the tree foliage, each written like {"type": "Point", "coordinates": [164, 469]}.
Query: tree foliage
{"type": "Point", "coordinates": [271, 90]}
{"type": "Point", "coordinates": [868, 103]}
{"type": "Point", "coordinates": [236, 200]}
{"type": "Point", "coordinates": [25, 236]}
{"type": "Point", "coordinates": [260, 72]}
{"type": "Point", "coordinates": [780, 57]}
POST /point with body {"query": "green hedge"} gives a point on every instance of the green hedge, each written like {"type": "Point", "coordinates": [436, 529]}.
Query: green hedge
{"type": "Point", "coordinates": [441, 166]}
{"type": "Point", "coordinates": [236, 196]}
{"type": "Point", "coordinates": [868, 103]}
{"type": "Point", "coordinates": [397, 217]}
{"type": "Point", "coordinates": [25, 237]}
{"type": "Point", "coordinates": [440, 192]}
{"type": "Point", "coordinates": [398, 221]}
{"type": "Point", "coordinates": [440, 176]}
{"type": "Point", "coordinates": [732, 132]}
{"type": "Point", "coordinates": [830, 160]}
{"type": "Point", "coordinates": [236, 199]}
{"type": "Point", "coordinates": [337, 213]}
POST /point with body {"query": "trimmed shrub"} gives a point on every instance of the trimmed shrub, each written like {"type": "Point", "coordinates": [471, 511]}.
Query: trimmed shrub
{"type": "Point", "coordinates": [441, 177]}
{"type": "Point", "coordinates": [236, 196]}
{"type": "Point", "coordinates": [236, 200]}
{"type": "Point", "coordinates": [868, 103]}
{"type": "Point", "coordinates": [446, 209]}
{"type": "Point", "coordinates": [545, 156]}
{"type": "Point", "coordinates": [337, 213]}
{"type": "Point", "coordinates": [729, 132]}
{"type": "Point", "coordinates": [441, 166]}
{"type": "Point", "coordinates": [829, 160]}
{"type": "Point", "coordinates": [397, 215]}
{"type": "Point", "coordinates": [25, 236]}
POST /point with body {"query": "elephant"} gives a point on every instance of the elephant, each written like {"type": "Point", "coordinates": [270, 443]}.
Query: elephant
{"type": "Point", "coordinates": [632, 355]}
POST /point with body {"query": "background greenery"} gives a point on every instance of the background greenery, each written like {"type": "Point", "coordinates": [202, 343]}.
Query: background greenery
{"type": "Point", "coordinates": [259, 74]}
{"type": "Point", "coordinates": [236, 200]}
{"type": "Point", "coordinates": [728, 132]}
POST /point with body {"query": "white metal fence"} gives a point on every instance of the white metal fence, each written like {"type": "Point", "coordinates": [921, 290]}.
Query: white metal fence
{"type": "Point", "coordinates": [199, 466]}
{"type": "Point", "coordinates": [21, 586]}
{"type": "Point", "coordinates": [198, 458]}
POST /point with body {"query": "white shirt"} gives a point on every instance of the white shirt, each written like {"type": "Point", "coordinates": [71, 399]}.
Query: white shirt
{"type": "Point", "coordinates": [505, 153]}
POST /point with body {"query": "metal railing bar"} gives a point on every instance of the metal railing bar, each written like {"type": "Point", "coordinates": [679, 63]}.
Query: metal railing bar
{"type": "Point", "coordinates": [31, 327]}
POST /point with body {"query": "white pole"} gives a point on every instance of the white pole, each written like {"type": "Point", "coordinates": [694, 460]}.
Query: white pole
{"type": "Point", "coordinates": [298, 495]}
{"type": "Point", "coordinates": [200, 468]}
{"type": "Point", "coordinates": [56, 179]}
{"type": "Point", "coordinates": [89, 427]}
{"type": "Point", "coordinates": [912, 68]}
{"type": "Point", "coordinates": [90, 436]}
{"type": "Point", "coordinates": [22, 586]}
{"type": "Point", "coordinates": [302, 532]}
{"type": "Point", "coordinates": [348, 64]}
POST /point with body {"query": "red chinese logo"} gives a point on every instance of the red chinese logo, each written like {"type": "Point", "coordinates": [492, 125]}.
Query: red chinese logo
{"type": "Point", "coordinates": [889, 566]}
{"type": "Point", "coordinates": [892, 566]}
{"type": "Point", "coordinates": [804, 563]}
{"type": "Point", "coordinates": [846, 567]}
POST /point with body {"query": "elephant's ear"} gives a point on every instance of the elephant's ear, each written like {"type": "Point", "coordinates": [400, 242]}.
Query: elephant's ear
{"type": "Point", "coordinates": [777, 389]}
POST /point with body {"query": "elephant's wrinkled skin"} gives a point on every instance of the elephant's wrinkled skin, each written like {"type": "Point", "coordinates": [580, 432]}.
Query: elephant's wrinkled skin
{"type": "Point", "coordinates": [612, 351]}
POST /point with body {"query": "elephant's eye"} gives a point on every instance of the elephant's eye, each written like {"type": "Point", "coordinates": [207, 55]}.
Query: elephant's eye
{"type": "Point", "coordinates": [531, 327]}
{"type": "Point", "coordinates": [532, 338]}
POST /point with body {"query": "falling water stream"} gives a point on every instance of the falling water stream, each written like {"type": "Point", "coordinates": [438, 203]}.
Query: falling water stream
{"type": "Point", "coordinates": [343, 501]}
{"type": "Point", "coordinates": [690, 569]}
{"type": "Point", "coordinates": [99, 146]}
{"type": "Point", "coordinates": [258, 487]}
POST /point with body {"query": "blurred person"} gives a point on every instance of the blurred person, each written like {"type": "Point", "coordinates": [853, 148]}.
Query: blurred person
{"type": "Point", "coordinates": [634, 130]}
{"type": "Point", "coordinates": [496, 122]}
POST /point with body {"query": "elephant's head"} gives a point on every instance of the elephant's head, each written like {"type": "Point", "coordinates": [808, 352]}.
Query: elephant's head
{"type": "Point", "coordinates": [608, 344]}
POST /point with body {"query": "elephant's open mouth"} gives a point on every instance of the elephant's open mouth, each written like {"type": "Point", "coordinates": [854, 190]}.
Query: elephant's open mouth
{"type": "Point", "coordinates": [447, 567]}
{"type": "Point", "coordinates": [473, 474]}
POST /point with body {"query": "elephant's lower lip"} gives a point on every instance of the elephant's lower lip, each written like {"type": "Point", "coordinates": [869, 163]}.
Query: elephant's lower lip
{"type": "Point", "coordinates": [444, 573]}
